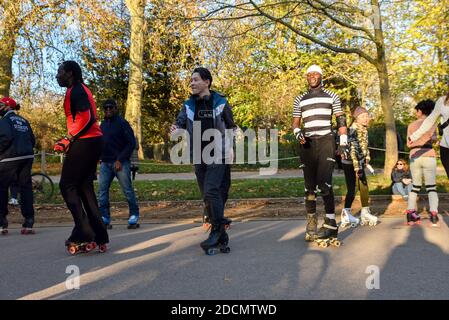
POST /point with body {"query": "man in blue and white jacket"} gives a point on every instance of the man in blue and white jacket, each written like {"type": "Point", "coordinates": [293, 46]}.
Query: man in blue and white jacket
{"type": "Point", "coordinates": [206, 115]}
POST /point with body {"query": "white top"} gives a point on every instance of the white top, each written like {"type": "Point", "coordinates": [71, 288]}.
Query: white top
{"type": "Point", "coordinates": [442, 110]}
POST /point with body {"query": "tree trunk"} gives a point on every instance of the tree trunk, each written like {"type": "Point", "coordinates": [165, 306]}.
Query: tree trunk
{"type": "Point", "coordinates": [391, 143]}
{"type": "Point", "coordinates": [9, 30]}
{"type": "Point", "coordinates": [135, 85]}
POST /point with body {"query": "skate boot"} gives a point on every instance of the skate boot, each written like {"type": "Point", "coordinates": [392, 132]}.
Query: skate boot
{"type": "Point", "coordinates": [327, 235]}
{"type": "Point", "coordinates": [133, 222]}
{"type": "Point", "coordinates": [211, 245]}
{"type": "Point", "coordinates": [107, 221]}
{"type": "Point", "coordinates": [207, 225]}
{"type": "Point", "coordinates": [27, 226]}
{"type": "Point", "coordinates": [348, 219]}
{"type": "Point", "coordinates": [434, 218]}
{"type": "Point", "coordinates": [413, 217]}
{"type": "Point", "coordinates": [27, 231]}
{"type": "Point", "coordinates": [3, 226]}
{"type": "Point", "coordinates": [223, 243]}
{"type": "Point", "coordinates": [311, 227]}
{"type": "Point", "coordinates": [366, 218]}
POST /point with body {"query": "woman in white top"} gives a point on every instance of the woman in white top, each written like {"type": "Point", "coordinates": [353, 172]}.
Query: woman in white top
{"type": "Point", "coordinates": [441, 109]}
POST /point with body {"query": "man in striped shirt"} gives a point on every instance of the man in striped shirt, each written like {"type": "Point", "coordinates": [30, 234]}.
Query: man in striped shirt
{"type": "Point", "coordinates": [314, 110]}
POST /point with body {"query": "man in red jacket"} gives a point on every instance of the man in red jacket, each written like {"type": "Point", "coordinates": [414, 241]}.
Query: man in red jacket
{"type": "Point", "coordinates": [83, 146]}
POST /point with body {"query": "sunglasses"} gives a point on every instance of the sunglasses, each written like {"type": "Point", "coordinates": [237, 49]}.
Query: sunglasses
{"type": "Point", "coordinates": [109, 106]}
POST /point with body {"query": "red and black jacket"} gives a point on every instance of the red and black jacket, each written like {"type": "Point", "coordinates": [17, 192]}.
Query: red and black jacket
{"type": "Point", "coordinates": [81, 113]}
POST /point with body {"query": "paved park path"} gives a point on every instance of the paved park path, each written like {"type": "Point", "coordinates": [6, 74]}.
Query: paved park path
{"type": "Point", "coordinates": [269, 260]}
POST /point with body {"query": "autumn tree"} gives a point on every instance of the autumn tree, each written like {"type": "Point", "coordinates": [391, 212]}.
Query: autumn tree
{"type": "Point", "coordinates": [25, 32]}
{"type": "Point", "coordinates": [316, 21]}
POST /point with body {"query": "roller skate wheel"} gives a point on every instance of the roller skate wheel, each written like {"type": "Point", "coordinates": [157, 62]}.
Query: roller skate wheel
{"type": "Point", "coordinates": [4, 232]}
{"type": "Point", "coordinates": [102, 248]}
{"type": "Point", "coordinates": [322, 244]}
{"type": "Point", "coordinates": [336, 243]}
{"type": "Point", "coordinates": [109, 226]}
{"type": "Point", "coordinates": [362, 223]}
{"type": "Point", "coordinates": [72, 250]}
{"type": "Point", "coordinates": [354, 224]}
{"type": "Point", "coordinates": [211, 251]}
{"type": "Point", "coordinates": [89, 247]}
{"type": "Point", "coordinates": [308, 237]}
{"type": "Point", "coordinates": [225, 250]}
{"type": "Point", "coordinates": [343, 225]}
{"type": "Point", "coordinates": [227, 226]}
{"type": "Point", "coordinates": [372, 223]}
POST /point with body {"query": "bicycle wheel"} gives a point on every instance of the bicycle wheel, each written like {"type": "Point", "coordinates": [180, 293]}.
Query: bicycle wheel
{"type": "Point", "coordinates": [43, 187]}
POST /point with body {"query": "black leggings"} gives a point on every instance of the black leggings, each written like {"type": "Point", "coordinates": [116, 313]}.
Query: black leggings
{"type": "Point", "coordinates": [318, 158]}
{"type": "Point", "coordinates": [77, 189]}
{"type": "Point", "coordinates": [352, 181]}
{"type": "Point", "coordinates": [444, 154]}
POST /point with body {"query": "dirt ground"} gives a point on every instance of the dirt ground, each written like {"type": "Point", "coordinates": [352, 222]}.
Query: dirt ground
{"type": "Point", "coordinates": [238, 210]}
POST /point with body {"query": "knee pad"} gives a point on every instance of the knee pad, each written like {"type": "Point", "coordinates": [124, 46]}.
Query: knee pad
{"type": "Point", "coordinates": [310, 195]}
{"type": "Point", "coordinates": [415, 189]}
{"type": "Point", "coordinates": [310, 198]}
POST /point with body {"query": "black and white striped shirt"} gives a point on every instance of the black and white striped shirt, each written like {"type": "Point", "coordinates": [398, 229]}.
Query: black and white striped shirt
{"type": "Point", "coordinates": [316, 107]}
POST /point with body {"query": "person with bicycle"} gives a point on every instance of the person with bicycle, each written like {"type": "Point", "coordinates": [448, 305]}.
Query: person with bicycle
{"type": "Point", "coordinates": [16, 159]}
{"type": "Point", "coordinates": [83, 146]}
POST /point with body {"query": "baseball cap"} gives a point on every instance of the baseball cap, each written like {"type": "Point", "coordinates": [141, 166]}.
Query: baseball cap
{"type": "Point", "coordinates": [9, 102]}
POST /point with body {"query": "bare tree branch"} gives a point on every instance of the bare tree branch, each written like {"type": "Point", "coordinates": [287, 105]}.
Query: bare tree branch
{"type": "Point", "coordinates": [313, 39]}
{"type": "Point", "coordinates": [235, 35]}
{"type": "Point", "coordinates": [337, 20]}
